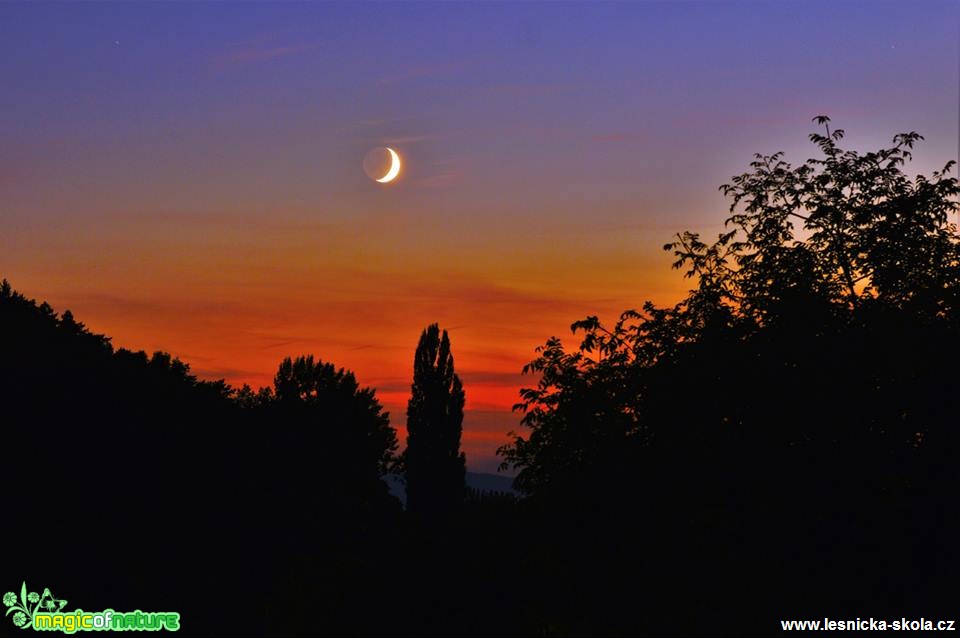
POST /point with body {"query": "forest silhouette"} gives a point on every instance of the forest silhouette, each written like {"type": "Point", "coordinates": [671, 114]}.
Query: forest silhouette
{"type": "Point", "coordinates": [781, 443]}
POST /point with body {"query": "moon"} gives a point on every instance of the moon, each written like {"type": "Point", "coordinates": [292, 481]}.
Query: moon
{"type": "Point", "coordinates": [394, 167]}
{"type": "Point", "coordinates": [382, 164]}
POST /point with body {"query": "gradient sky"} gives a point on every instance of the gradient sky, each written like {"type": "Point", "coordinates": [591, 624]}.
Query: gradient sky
{"type": "Point", "coordinates": [188, 177]}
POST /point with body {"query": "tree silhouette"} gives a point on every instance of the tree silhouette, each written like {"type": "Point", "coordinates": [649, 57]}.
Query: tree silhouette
{"type": "Point", "coordinates": [821, 266]}
{"type": "Point", "coordinates": [791, 415]}
{"type": "Point", "coordinates": [434, 465]}
{"type": "Point", "coordinates": [326, 409]}
{"type": "Point", "coordinates": [228, 490]}
{"type": "Point", "coordinates": [783, 439]}
{"type": "Point", "coordinates": [324, 443]}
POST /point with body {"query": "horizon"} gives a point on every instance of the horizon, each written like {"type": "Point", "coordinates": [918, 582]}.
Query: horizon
{"type": "Point", "coordinates": [189, 179]}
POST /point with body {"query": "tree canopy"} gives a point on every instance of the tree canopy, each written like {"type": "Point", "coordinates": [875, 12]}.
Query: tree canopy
{"type": "Point", "coordinates": [435, 466]}
{"type": "Point", "coordinates": [831, 282]}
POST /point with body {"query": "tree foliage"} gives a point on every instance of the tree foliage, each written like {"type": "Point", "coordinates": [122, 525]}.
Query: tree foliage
{"type": "Point", "coordinates": [434, 465]}
{"type": "Point", "coordinates": [830, 283]}
{"type": "Point", "coordinates": [231, 488]}
{"type": "Point", "coordinates": [347, 419]}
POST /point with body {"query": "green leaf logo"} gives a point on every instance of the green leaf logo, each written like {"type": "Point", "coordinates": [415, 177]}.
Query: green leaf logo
{"type": "Point", "coordinates": [29, 604]}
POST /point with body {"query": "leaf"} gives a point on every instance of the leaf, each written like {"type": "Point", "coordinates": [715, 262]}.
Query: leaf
{"type": "Point", "coordinates": [23, 593]}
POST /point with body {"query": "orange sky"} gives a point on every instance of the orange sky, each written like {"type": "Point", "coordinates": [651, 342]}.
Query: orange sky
{"type": "Point", "coordinates": [188, 177]}
{"type": "Point", "coordinates": [232, 296]}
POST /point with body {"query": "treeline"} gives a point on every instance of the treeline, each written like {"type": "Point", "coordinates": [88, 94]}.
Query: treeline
{"type": "Point", "coordinates": [779, 444]}
{"type": "Point", "coordinates": [131, 484]}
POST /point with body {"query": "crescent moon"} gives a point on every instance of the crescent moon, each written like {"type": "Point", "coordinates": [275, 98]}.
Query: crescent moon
{"type": "Point", "coordinates": [394, 167]}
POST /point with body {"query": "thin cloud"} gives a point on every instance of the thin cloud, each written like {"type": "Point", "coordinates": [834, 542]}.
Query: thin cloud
{"type": "Point", "coordinates": [376, 122]}
{"type": "Point", "coordinates": [494, 377]}
{"type": "Point", "coordinates": [617, 137]}
{"type": "Point", "coordinates": [270, 45]}
{"type": "Point", "coordinates": [260, 222]}
{"type": "Point", "coordinates": [175, 309]}
{"type": "Point", "coordinates": [797, 114]}
{"type": "Point", "coordinates": [469, 377]}
{"type": "Point", "coordinates": [270, 53]}
{"type": "Point", "coordinates": [440, 179]}
{"type": "Point", "coordinates": [422, 71]}
{"type": "Point", "coordinates": [519, 89]}
{"type": "Point", "coordinates": [409, 139]}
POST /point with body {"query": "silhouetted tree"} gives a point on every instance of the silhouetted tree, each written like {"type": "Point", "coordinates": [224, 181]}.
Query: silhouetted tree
{"type": "Point", "coordinates": [791, 415]}
{"type": "Point", "coordinates": [823, 262]}
{"type": "Point", "coordinates": [434, 465]}
{"type": "Point", "coordinates": [276, 491]}
{"type": "Point", "coordinates": [84, 421]}
{"type": "Point", "coordinates": [342, 419]}
{"type": "Point", "coordinates": [324, 442]}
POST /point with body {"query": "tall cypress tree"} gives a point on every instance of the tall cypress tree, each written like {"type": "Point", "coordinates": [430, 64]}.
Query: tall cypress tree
{"type": "Point", "coordinates": [435, 466]}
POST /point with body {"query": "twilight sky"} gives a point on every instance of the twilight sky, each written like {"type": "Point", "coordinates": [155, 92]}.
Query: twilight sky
{"type": "Point", "coordinates": [188, 177]}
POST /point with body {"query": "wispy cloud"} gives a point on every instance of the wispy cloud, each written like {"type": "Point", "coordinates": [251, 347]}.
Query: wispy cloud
{"type": "Point", "coordinates": [494, 377]}
{"type": "Point", "coordinates": [408, 139]}
{"type": "Point", "coordinates": [507, 379]}
{"type": "Point", "coordinates": [9, 171]}
{"type": "Point", "coordinates": [618, 137]}
{"type": "Point", "coordinates": [423, 70]}
{"type": "Point", "coordinates": [172, 310]}
{"type": "Point", "coordinates": [268, 45]}
{"type": "Point", "coordinates": [792, 115]}
{"type": "Point", "coordinates": [377, 122]}
{"type": "Point", "coordinates": [520, 89]}
{"type": "Point", "coordinates": [257, 54]}
{"type": "Point", "coordinates": [256, 222]}
{"type": "Point", "coordinates": [439, 179]}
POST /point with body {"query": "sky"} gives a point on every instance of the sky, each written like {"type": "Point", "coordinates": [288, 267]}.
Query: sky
{"type": "Point", "coordinates": [188, 177]}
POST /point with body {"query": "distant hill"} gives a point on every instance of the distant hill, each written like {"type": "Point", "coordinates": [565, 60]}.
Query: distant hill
{"type": "Point", "coordinates": [477, 480]}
